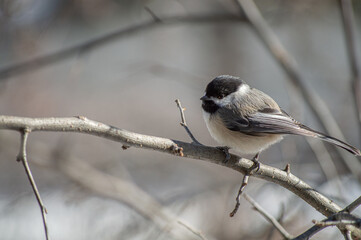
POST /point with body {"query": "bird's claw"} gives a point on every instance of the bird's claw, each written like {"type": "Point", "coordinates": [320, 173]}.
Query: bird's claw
{"type": "Point", "coordinates": [225, 150]}
{"type": "Point", "coordinates": [256, 164]}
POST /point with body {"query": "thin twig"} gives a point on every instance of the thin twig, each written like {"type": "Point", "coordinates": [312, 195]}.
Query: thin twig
{"type": "Point", "coordinates": [352, 206]}
{"type": "Point", "coordinates": [308, 233]}
{"type": "Point", "coordinates": [152, 14]}
{"type": "Point", "coordinates": [289, 65]}
{"type": "Point", "coordinates": [268, 217]}
{"type": "Point", "coordinates": [340, 222]}
{"type": "Point", "coordinates": [342, 219]}
{"type": "Point", "coordinates": [349, 27]}
{"type": "Point", "coordinates": [192, 230]}
{"type": "Point", "coordinates": [184, 123]}
{"type": "Point", "coordinates": [23, 158]}
{"type": "Point", "coordinates": [38, 62]}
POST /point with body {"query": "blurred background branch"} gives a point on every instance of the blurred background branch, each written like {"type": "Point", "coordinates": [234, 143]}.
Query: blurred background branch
{"type": "Point", "coordinates": [269, 218]}
{"type": "Point", "coordinates": [128, 193]}
{"type": "Point", "coordinates": [348, 21]}
{"type": "Point", "coordinates": [90, 45]}
{"type": "Point", "coordinates": [288, 63]}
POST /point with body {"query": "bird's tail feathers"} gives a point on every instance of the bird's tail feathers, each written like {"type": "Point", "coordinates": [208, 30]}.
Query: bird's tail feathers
{"type": "Point", "coordinates": [335, 141]}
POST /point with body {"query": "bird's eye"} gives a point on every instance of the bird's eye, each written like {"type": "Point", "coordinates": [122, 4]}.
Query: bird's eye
{"type": "Point", "coordinates": [219, 96]}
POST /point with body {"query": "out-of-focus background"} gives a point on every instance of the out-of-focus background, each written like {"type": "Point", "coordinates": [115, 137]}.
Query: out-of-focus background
{"type": "Point", "coordinates": [131, 82]}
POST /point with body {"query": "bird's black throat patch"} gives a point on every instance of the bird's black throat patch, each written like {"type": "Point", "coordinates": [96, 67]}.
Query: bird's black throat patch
{"type": "Point", "coordinates": [209, 106]}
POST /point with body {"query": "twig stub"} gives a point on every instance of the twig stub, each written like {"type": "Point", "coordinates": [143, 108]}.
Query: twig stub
{"type": "Point", "coordinates": [125, 147]}
{"type": "Point", "coordinates": [288, 169]}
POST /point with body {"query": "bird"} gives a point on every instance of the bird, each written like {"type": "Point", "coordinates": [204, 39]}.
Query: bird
{"type": "Point", "coordinates": [249, 121]}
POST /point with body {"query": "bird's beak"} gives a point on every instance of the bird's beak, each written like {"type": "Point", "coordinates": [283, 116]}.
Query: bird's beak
{"type": "Point", "coordinates": [204, 98]}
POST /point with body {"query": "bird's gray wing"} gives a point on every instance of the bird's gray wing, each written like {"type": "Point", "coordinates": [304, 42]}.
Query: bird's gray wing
{"type": "Point", "coordinates": [233, 120]}
{"type": "Point", "coordinates": [266, 121]}
{"type": "Point", "coordinates": [274, 121]}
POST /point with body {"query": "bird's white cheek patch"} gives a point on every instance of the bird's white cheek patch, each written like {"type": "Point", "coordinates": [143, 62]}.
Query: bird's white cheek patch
{"type": "Point", "coordinates": [240, 93]}
{"type": "Point", "coordinates": [243, 89]}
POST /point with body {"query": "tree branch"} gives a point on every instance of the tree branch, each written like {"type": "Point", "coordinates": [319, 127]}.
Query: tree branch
{"type": "Point", "coordinates": [339, 223]}
{"type": "Point", "coordinates": [178, 148]}
{"type": "Point", "coordinates": [184, 123]}
{"type": "Point", "coordinates": [353, 205]}
{"type": "Point", "coordinates": [349, 27]}
{"type": "Point", "coordinates": [342, 219]}
{"type": "Point", "coordinates": [22, 157]}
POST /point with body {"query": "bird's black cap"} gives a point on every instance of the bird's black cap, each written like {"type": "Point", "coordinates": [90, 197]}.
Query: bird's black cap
{"type": "Point", "coordinates": [223, 85]}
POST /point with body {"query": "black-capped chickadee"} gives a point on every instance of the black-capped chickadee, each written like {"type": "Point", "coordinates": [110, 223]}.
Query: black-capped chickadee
{"type": "Point", "coordinates": [248, 120]}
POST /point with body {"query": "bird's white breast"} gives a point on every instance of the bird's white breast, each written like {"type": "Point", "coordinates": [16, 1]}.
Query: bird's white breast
{"type": "Point", "coordinates": [238, 141]}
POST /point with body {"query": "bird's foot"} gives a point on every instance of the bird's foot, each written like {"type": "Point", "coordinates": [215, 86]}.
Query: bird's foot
{"type": "Point", "coordinates": [225, 149]}
{"type": "Point", "coordinates": [256, 164]}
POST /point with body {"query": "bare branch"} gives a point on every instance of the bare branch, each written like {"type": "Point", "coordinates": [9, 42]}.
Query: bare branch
{"type": "Point", "coordinates": [339, 223]}
{"type": "Point", "coordinates": [178, 148]}
{"type": "Point", "coordinates": [349, 27]}
{"type": "Point", "coordinates": [22, 156]}
{"type": "Point", "coordinates": [353, 205]}
{"type": "Point", "coordinates": [195, 232]}
{"type": "Point", "coordinates": [152, 14]}
{"type": "Point", "coordinates": [288, 63]}
{"type": "Point", "coordinates": [268, 217]}
{"type": "Point", "coordinates": [90, 45]}
{"type": "Point", "coordinates": [209, 154]}
{"type": "Point", "coordinates": [342, 219]}
{"type": "Point", "coordinates": [309, 233]}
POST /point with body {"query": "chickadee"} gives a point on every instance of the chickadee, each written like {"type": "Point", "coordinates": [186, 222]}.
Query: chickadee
{"type": "Point", "coordinates": [248, 120]}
